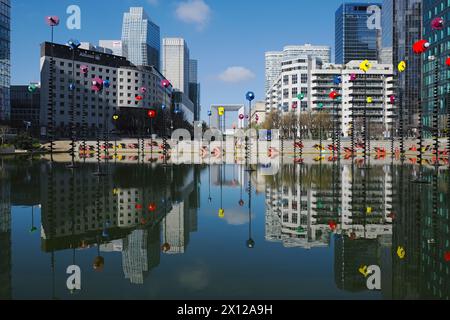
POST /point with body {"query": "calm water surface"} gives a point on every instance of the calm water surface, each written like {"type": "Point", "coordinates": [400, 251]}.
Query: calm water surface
{"type": "Point", "coordinates": [221, 232]}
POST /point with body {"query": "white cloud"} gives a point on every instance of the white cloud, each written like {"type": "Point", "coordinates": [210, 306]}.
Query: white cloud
{"type": "Point", "coordinates": [195, 12]}
{"type": "Point", "coordinates": [236, 74]}
{"type": "Point", "coordinates": [153, 2]}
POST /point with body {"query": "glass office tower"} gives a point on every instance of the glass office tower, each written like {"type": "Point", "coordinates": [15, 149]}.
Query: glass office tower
{"type": "Point", "coordinates": [141, 41]}
{"type": "Point", "coordinates": [354, 39]}
{"type": "Point", "coordinates": [407, 29]}
{"type": "Point", "coordinates": [5, 63]}
{"type": "Point", "coordinates": [440, 48]}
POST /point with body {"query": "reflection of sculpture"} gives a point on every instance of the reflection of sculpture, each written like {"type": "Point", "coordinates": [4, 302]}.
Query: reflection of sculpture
{"type": "Point", "coordinates": [421, 46]}
{"type": "Point", "coordinates": [437, 23]}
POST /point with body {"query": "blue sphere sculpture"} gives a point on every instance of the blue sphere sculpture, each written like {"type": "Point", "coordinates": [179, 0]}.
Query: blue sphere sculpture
{"type": "Point", "coordinates": [106, 83]}
{"type": "Point", "coordinates": [337, 80]}
{"type": "Point", "coordinates": [209, 113]}
{"type": "Point", "coordinates": [73, 44]}
{"type": "Point", "coordinates": [163, 107]}
{"type": "Point", "coordinates": [71, 87]}
{"type": "Point", "coordinates": [250, 96]}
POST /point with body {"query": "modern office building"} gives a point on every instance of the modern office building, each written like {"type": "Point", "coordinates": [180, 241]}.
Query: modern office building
{"type": "Point", "coordinates": [5, 59]}
{"type": "Point", "coordinates": [91, 47]}
{"type": "Point", "coordinates": [274, 59]}
{"type": "Point", "coordinates": [407, 29]}
{"type": "Point", "coordinates": [141, 40]}
{"type": "Point", "coordinates": [439, 48]}
{"type": "Point", "coordinates": [176, 63]}
{"type": "Point", "coordinates": [194, 88]}
{"type": "Point", "coordinates": [387, 31]}
{"type": "Point", "coordinates": [25, 107]}
{"type": "Point", "coordinates": [354, 39]}
{"type": "Point", "coordinates": [123, 95]}
{"type": "Point", "coordinates": [114, 45]}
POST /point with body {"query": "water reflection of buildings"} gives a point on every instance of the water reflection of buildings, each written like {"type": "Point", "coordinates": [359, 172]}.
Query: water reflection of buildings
{"type": "Point", "coordinates": [5, 236]}
{"type": "Point", "coordinates": [299, 210]}
{"type": "Point", "coordinates": [120, 212]}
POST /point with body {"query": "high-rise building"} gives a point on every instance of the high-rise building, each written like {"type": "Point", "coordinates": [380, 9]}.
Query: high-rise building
{"type": "Point", "coordinates": [440, 49]}
{"type": "Point", "coordinates": [114, 45]}
{"type": "Point", "coordinates": [194, 88]}
{"type": "Point", "coordinates": [5, 63]}
{"type": "Point", "coordinates": [355, 40]}
{"type": "Point", "coordinates": [274, 59]}
{"type": "Point", "coordinates": [407, 29]}
{"type": "Point", "coordinates": [176, 63]}
{"type": "Point", "coordinates": [273, 68]}
{"type": "Point", "coordinates": [141, 41]}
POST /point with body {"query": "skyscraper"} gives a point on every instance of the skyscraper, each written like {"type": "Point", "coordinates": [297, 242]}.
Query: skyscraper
{"type": "Point", "coordinates": [5, 64]}
{"type": "Point", "coordinates": [407, 29]}
{"type": "Point", "coordinates": [194, 88]}
{"type": "Point", "coordinates": [273, 68]}
{"type": "Point", "coordinates": [439, 40]}
{"type": "Point", "coordinates": [354, 39]}
{"type": "Point", "coordinates": [141, 42]}
{"type": "Point", "coordinates": [176, 63]}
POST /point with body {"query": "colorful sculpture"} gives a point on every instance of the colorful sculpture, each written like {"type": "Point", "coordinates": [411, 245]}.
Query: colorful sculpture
{"type": "Point", "coordinates": [421, 46]}
{"type": "Point", "coordinates": [437, 23]}
{"type": "Point", "coordinates": [106, 84]}
{"type": "Point", "coordinates": [209, 113]}
{"type": "Point", "coordinates": [365, 65]}
{"type": "Point", "coordinates": [294, 105]}
{"type": "Point", "coordinates": [301, 96]}
{"type": "Point", "coordinates": [151, 114]}
{"type": "Point", "coordinates": [221, 111]}
{"type": "Point", "coordinates": [250, 96]}
{"type": "Point", "coordinates": [84, 69]}
{"type": "Point", "coordinates": [402, 66]}
{"type": "Point", "coordinates": [52, 21]}
{"type": "Point", "coordinates": [143, 90]}
{"type": "Point", "coordinates": [73, 44]}
{"type": "Point", "coordinates": [447, 62]}
{"type": "Point", "coordinates": [115, 117]}
{"type": "Point", "coordinates": [369, 100]}
{"type": "Point", "coordinates": [71, 87]}
{"type": "Point", "coordinates": [139, 98]}
{"type": "Point", "coordinates": [32, 87]}
{"type": "Point", "coordinates": [152, 207]}
{"type": "Point", "coordinates": [97, 85]}
{"type": "Point", "coordinates": [241, 117]}
{"type": "Point", "coordinates": [337, 80]}
{"type": "Point", "coordinates": [165, 83]}
{"type": "Point", "coordinates": [333, 95]}
{"type": "Point", "coordinates": [353, 77]}
{"type": "Point", "coordinates": [392, 99]}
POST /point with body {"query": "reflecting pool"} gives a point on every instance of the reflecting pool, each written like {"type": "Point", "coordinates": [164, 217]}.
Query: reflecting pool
{"type": "Point", "coordinates": [148, 231]}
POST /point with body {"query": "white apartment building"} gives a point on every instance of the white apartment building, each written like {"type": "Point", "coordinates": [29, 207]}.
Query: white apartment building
{"type": "Point", "coordinates": [125, 79]}
{"type": "Point", "coordinates": [275, 58]}
{"type": "Point", "coordinates": [294, 80]}
{"type": "Point", "coordinates": [377, 83]}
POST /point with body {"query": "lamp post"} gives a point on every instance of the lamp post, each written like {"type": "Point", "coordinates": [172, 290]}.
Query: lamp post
{"type": "Point", "coordinates": [301, 97]}
{"type": "Point", "coordinates": [166, 85]}
{"type": "Point", "coordinates": [97, 87]}
{"type": "Point", "coordinates": [52, 21]}
{"type": "Point", "coordinates": [250, 96]}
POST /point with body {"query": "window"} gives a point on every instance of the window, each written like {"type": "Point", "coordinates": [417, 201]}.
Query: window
{"type": "Point", "coordinates": [304, 78]}
{"type": "Point", "coordinates": [285, 80]}
{"type": "Point", "coordinates": [294, 79]}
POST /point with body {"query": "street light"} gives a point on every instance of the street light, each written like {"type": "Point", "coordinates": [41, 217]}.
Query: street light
{"type": "Point", "coordinates": [250, 96]}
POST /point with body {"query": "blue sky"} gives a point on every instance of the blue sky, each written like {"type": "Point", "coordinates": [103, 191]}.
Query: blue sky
{"type": "Point", "coordinates": [221, 34]}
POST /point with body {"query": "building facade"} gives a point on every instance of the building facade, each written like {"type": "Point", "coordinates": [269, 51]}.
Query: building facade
{"type": "Point", "coordinates": [25, 107]}
{"type": "Point", "coordinates": [194, 88]}
{"type": "Point", "coordinates": [354, 39]}
{"type": "Point", "coordinates": [407, 29]}
{"type": "Point", "coordinates": [377, 83]}
{"type": "Point", "coordinates": [5, 59]}
{"type": "Point", "coordinates": [95, 109]}
{"type": "Point", "coordinates": [176, 63]}
{"type": "Point", "coordinates": [439, 48]}
{"type": "Point", "coordinates": [114, 45]}
{"type": "Point", "coordinates": [141, 40]}
{"type": "Point", "coordinates": [274, 59]}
